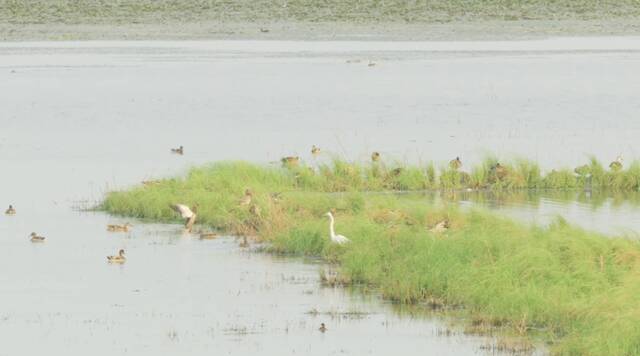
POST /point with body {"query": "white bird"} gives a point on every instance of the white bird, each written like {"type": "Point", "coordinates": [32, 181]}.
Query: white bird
{"type": "Point", "coordinates": [338, 239]}
{"type": "Point", "coordinates": [186, 213]}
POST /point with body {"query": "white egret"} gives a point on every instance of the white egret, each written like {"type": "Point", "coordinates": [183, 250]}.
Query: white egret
{"type": "Point", "coordinates": [187, 214]}
{"type": "Point", "coordinates": [338, 239]}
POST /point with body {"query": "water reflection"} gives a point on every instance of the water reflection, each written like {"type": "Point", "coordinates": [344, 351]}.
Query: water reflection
{"type": "Point", "coordinates": [608, 212]}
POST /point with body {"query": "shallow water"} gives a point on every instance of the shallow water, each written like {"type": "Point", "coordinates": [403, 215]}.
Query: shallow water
{"type": "Point", "coordinates": [79, 119]}
{"type": "Point", "coordinates": [610, 213]}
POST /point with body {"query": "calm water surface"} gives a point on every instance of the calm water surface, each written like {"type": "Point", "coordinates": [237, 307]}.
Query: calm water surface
{"type": "Point", "coordinates": [79, 119]}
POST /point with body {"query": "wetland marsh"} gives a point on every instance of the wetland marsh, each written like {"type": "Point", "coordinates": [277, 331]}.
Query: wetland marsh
{"type": "Point", "coordinates": [130, 102]}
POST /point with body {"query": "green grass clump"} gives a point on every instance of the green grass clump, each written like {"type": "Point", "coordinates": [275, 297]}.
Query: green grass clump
{"type": "Point", "coordinates": [576, 288]}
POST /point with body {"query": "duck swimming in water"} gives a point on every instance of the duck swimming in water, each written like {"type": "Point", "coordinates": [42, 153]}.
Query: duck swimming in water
{"type": "Point", "coordinates": [36, 238]}
{"type": "Point", "coordinates": [117, 259]}
{"type": "Point", "coordinates": [119, 228]}
{"type": "Point", "coordinates": [178, 151]}
{"type": "Point", "coordinates": [10, 211]}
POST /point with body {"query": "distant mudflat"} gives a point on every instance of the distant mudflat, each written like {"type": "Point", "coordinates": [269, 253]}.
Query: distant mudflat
{"type": "Point", "coordinates": [307, 20]}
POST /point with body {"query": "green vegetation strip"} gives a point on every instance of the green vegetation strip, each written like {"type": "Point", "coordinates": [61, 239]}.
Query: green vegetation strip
{"type": "Point", "coordinates": [578, 290]}
{"type": "Point", "coordinates": [360, 11]}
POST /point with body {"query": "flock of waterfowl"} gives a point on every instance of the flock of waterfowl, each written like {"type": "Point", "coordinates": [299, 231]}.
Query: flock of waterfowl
{"type": "Point", "coordinates": [35, 238]}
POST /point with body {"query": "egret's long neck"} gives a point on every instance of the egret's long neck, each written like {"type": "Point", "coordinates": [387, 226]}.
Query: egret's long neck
{"type": "Point", "coordinates": [331, 231]}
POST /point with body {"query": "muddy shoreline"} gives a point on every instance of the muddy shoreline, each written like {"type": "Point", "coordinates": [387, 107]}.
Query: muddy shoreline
{"type": "Point", "coordinates": [311, 31]}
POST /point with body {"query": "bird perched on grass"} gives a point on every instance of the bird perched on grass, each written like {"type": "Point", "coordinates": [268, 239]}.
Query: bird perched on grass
{"type": "Point", "coordinates": [337, 239]}
{"type": "Point", "coordinates": [375, 156]}
{"type": "Point", "coordinates": [455, 164]}
{"type": "Point", "coordinates": [315, 151]}
{"type": "Point", "coordinates": [179, 150]}
{"type": "Point", "coordinates": [616, 165]}
{"type": "Point", "coordinates": [499, 171]}
{"type": "Point", "coordinates": [440, 227]}
{"type": "Point", "coordinates": [255, 210]}
{"type": "Point", "coordinates": [10, 211]}
{"type": "Point", "coordinates": [187, 214]}
{"type": "Point", "coordinates": [290, 161]}
{"type": "Point", "coordinates": [117, 259]}
{"type": "Point", "coordinates": [36, 238]}
{"type": "Point", "coordinates": [583, 170]}
{"type": "Point", "coordinates": [246, 199]}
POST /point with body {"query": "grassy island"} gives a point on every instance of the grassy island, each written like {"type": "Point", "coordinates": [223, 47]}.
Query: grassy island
{"type": "Point", "coordinates": [576, 289]}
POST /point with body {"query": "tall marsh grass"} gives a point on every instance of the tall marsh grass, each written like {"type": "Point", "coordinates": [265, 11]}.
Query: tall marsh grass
{"type": "Point", "coordinates": [577, 289]}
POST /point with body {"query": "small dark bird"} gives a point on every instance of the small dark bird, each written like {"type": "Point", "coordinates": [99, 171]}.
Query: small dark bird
{"type": "Point", "coordinates": [264, 30]}
{"type": "Point", "coordinates": [322, 328]}
{"type": "Point", "coordinates": [178, 151]}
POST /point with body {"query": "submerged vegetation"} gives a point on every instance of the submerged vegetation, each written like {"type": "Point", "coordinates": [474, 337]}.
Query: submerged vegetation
{"type": "Point", "coordinates": [577, 289]}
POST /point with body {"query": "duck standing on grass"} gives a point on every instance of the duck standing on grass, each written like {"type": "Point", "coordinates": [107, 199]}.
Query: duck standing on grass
{"type": "Point", "coordinates": [290, 161]}
{"type": "Point", "coordinates": [455, 164]}
{"type": "Point", "coordinates": [315, 151]}
{"type": "Point", "coordinates": [498, 171]}
{"type": "Point", "coordinates": [440, 227]}
{"type": "Point", "coordinates": [246, 199]}
{"type": "Point", "coordinates": [337, 239]}
{"type": "Point", "coordinates": [616, 165]}
{"type": "Point", "coordinates": [36, 238]}
{"type": "Point", "coordinates": [375, 156]}
{"type": "Point", "coordinates": [178, 151]}
{"type": "Point", "coordinates": [187, 214]}
{"type": "Point", "coordinates": [10, 211]}
{"type": "Point", "coordinates": [117, 259]}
